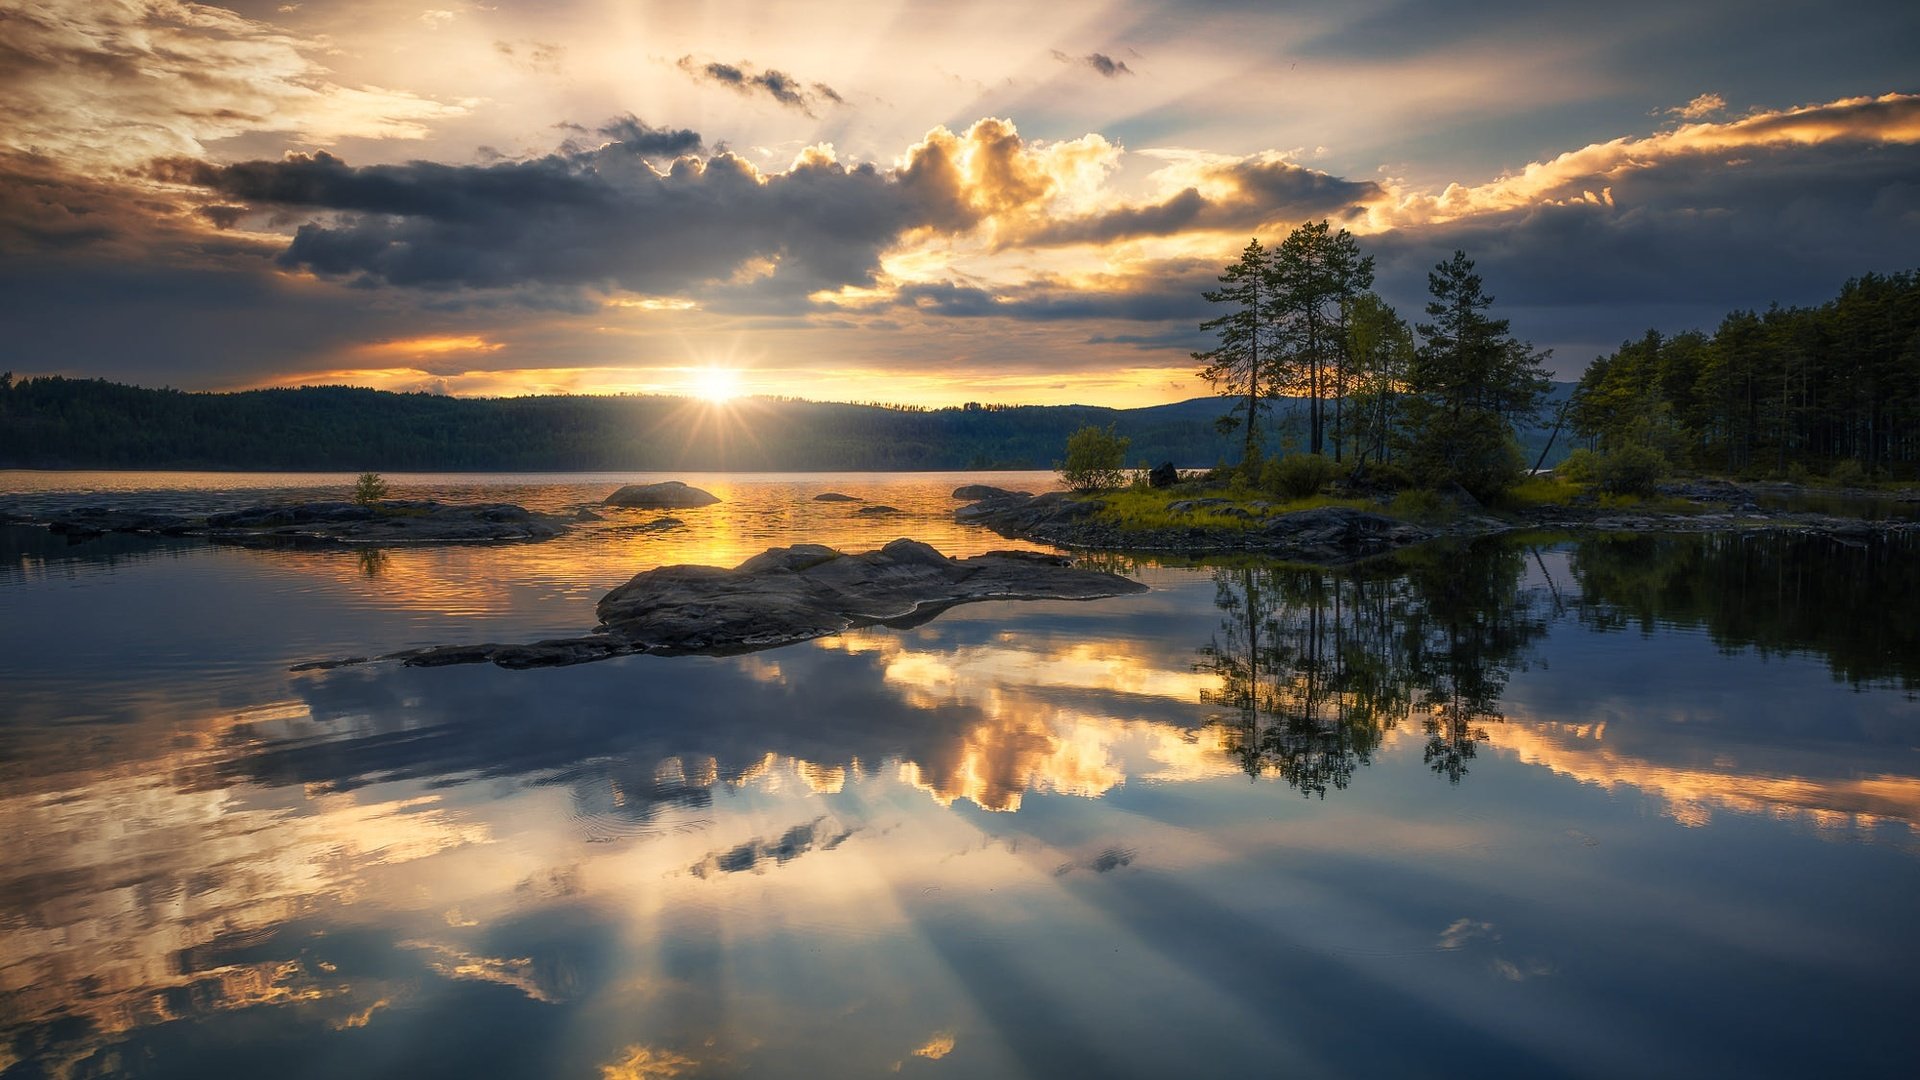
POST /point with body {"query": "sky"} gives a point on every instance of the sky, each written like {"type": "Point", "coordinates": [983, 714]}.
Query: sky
{"type": "Point", "coordinates": [906, 202]}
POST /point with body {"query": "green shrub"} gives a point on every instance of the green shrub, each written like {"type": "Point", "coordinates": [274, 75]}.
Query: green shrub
{"type": "Point", "coordinates": [369, 489]}
{"type": "Point", "coordinates": [1581, 467]}
{"type": "Point", "coordinates": [1296, 475]}
{"type": "Point", "coordinates": [1631, 470]}
{"type": "Point", "coordinates": [1797, 473]}
{"type": "Point", "coordinates": [1472, 449]}
{"type": "Point", "coordinates": [1380, 475]}
{"type": "Point", "coordinates": [1096, 459]}
{"type": "Point", "coordinates": [1847, 473]}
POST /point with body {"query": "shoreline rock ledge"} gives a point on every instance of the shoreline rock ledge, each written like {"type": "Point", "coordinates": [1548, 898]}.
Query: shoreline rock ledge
{"type": "Point", "coordinates": [785, 595]}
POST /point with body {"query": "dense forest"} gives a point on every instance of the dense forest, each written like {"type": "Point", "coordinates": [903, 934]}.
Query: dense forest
{"type": "Point", "coordinates": [67, 423]}
{"type": "Point", "coordinates": [1828, 389]}
{"type": "Point", "coordinates": [55, 422]}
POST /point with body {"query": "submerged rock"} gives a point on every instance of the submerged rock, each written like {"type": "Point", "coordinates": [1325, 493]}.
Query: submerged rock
{"type": "Point", "coordinates": [834, 496]}
{"type": "Point", "coordinates": [877, 510]}
{"type": "Point", "coordinates": [790, 594]}
{"type": "Point", "coordinates": [666, 495]}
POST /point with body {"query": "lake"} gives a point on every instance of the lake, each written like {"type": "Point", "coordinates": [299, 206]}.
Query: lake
{"type": "Point", "coordinates": [1537, 805]}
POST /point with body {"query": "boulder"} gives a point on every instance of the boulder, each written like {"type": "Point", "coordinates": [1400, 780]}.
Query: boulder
{"type": "Point", "coordinates": [977, 492]}
{"type": "Point", "coordinates": [1163, 475]}
{"type": "Point", "coordinates": [790, 594]}
{"type": "Point", "coordinates": [1013, 511]}
{"type": "Point", "coordinates": [834, 496]}
{"type": "Point", "coordinates": [665, 495]}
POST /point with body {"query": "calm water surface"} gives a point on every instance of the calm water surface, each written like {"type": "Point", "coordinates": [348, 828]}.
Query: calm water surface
{"type": "Point", "coordinates": [1596, 806]}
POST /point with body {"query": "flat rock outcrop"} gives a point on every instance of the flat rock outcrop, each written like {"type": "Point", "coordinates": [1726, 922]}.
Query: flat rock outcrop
{"type": "Point", "coordinates": [788, 594]}
{"type": "Point", "coordinates": [665, 495]}
{"type": "Point", "coordinates": [308, 524]}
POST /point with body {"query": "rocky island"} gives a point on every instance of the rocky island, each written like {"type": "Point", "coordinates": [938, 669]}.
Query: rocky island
{"type": "Point", "coordinates": [784, 595]}
{"type": "Point", "coordinates": [1196, 520]}
{"type": "Point", "coordinates": [320, 524]}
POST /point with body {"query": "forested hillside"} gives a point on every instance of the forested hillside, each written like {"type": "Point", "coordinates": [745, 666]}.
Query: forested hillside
{"type": "Point", "coordinates": [68, 423]}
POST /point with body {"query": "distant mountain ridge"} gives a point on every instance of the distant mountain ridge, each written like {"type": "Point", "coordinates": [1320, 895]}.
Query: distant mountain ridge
{"type": "Point", "coordinates": [79, 423]}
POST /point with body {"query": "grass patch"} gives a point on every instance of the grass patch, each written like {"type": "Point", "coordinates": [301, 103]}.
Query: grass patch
{"type": "Point", "coordinates": [1424, 507]}
{"type": "Point", "coordinates": [1142, 509]}
{"type": "Point", "coordinates": [1538, 491]}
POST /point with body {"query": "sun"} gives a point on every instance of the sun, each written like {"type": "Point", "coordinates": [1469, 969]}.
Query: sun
{"type": "Point", "coordinates": [715, 384]}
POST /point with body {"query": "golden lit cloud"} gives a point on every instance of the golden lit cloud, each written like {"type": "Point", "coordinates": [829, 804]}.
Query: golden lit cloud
{"type": "Point", "coordinates": [432, 345]}
{"type": "Point", "coordinates": [131, 80]}
{"type": "Point", "coordinates": [1585, 175]}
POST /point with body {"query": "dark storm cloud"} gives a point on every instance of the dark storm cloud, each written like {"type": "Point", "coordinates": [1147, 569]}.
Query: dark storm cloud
{"type": "Point", "coordinates": [598, 219]}
{"type": "Point", "coordinates": [1169, 292]}
{"type": "Point", "coordinates": [584, 220]}
{"type": "Point", "coordinates": [156, 320]}
{"type": "Point", "coordinates": [1263, 192]}
{"type": "Point", "coordinates": [647, 141]}
{"type": "Point", "coordinates": [778, 85]}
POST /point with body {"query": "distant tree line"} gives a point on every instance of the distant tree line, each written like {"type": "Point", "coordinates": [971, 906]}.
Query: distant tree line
{"type": "Point", "coordinates": [57, 422]}
{"type": "Point", "coordinates": [1830, 389]}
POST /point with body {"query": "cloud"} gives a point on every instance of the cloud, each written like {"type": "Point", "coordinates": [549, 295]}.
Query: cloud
{"type": "Point", "coordinates": [1257, 193]}
{"type": "Point", "coordinates": [598, 219]}
{"type": "Point", "coordinates": [1700, 107]}
{"type": "Point", "coordinates": [815, 835]}
{"type": "Point", "coordinates": [1099, 62]}
{"type": "Point", "coordinates": [532, 57]}
{"type": "Point", "coordinates": [778, 85]}
{"type": "Point", "coordinates": [1585, 175]}
{"type": "Point", "coordinates": [113, 84]}
{"type": "Point", "coordinates": [646, 141]}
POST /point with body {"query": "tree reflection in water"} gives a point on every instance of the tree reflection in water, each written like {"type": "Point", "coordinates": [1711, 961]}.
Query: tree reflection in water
{"type": "Point", "coordinates": [1316, 664]}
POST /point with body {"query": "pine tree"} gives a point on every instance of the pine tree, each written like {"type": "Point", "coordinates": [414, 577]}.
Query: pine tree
{"type": "Point", "coordinates": [1238, 366]}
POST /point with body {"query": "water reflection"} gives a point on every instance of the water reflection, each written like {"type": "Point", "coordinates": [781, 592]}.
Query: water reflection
{"type": "Point", "coordinates": [1316, 665]}
{"type": "Point", "coordinates": [1844, 599]}
{"type": "Point", "coordinates": [809, 861]}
